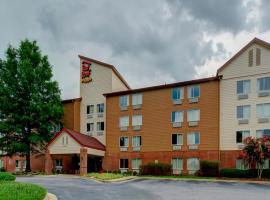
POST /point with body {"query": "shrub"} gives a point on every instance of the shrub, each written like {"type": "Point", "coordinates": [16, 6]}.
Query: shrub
{"type": "Point", "coordinates": [209, 168]}
{"type": "Point", "coordinates": [2, 169]}
{"type": "Point", "coordinates": [158, 169]}
{"type": "Point", "coordinates": [237, 173]}
{"type": "Point", "coordinates": [5, 176]}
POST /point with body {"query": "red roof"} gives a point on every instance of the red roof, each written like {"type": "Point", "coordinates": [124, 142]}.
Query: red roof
{"type": "Point", "coordinates": [83, 140]}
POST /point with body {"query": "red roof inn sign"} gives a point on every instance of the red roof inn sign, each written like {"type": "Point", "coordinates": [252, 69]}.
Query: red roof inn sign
{"type": "Point", "coordinates": [86, 72]}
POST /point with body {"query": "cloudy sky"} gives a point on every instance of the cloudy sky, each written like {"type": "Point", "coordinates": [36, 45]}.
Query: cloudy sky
{"type": "Point", "coordinates": [149, 41]}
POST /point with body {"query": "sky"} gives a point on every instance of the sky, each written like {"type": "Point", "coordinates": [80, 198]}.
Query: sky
{"type": "Point", "coordinates": [150, 42]}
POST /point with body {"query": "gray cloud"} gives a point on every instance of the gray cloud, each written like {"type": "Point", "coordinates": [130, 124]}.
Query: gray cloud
{"type": "Point", "coordinates": [150, 42]}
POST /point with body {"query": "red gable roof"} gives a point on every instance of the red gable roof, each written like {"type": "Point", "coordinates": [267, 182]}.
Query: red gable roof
{"type": "Point", "coordinates": [83, 140]}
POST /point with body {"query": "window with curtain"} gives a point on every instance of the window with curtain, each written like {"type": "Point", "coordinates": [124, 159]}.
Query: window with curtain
{"type": "Point", "coordinates": [136, 163]}
{"type": "Point", "coordinates": [177, 139]}
{"type": "Point", "coordinates": [193, 164]}
{"type": "Point", "coordinates": [124, 121]}
{"type": "Point", "coordinates": [177, 164]}
{"type": "Point", "coordinates": [193, 138]}
{"type": "Point", "coordinates": [100, 108]}
{"type": "Point", "coordinates": [124, 101]}
{"type": "Point", "coordinates": [90, 109]}
{"type": "Point", "coordinates": [263, 110]}
{"type": "Point", "coordinates": [263, 84]}
{"type": "Point", "coordinates": [240, 164]}
{"type": "Point", "coordinates": [136, 141]}
{"type": "Point", "coordinates": [100, 126]}
{"type": "Point", "coordinates": [194, 91]}
{"type": "Point", "coordinates": [243, 112]}
{"type": "Point", "coordinates": [193, 115]}
{"type": "Point", "coordinates": [243, 87]}
{"type": "Point", "coordinates": [136, 99]}
{"type": "Point", "coordinates": [241, 135]}
{"type": "Point", "coordinates": [123, 163]}
{"type": "Point", "coordinates": [177, 116]}
{"type": "Point", "coordinates": [262, 133]}
{"type": "Point", "coordinates": [136, 120]}
{"type": "Point", "coordinates": [177, 93]}
{"type": "Point", "coordinates": [123, 141]}
{"type": "Point", "coordinates": [90, 127]}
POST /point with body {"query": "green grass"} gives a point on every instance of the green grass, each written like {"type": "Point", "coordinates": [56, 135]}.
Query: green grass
{"type": "Point", "coordinates": [177, 177]}
{"type": "Point", "coordinates": [105, 176]}
{"type": "Point", "coordinates": [5, 176]}
{"type": "Point", "coordinates": [10, 190]}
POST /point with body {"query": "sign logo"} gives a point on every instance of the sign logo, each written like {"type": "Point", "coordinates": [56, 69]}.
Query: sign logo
{"type": "Point", "coordinates": [86, 72]}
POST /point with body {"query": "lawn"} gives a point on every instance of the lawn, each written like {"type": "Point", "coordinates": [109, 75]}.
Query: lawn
{"type": "Point", "coordinates": [177, 177]}
{"type": "Point", "coordinates": [105, 176]}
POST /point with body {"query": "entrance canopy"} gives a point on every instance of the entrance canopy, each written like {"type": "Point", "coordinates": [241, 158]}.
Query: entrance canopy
{"type": "Point", "coordinates": [70, 142]}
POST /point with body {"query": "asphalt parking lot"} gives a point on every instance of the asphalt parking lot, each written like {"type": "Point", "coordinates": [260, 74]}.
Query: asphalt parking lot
{"type": "Point", "coordinates": [70, 188]}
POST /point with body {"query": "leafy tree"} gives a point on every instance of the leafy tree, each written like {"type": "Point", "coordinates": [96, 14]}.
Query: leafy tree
{"type": "Point", "coordinates": [30, 102]}
{"type": "Point", "coordinates": [255, 153]}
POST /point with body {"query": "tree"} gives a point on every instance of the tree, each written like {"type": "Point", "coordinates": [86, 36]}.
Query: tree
{"type": "Point", "coordinates": [30, 102]}
{"type": "Point", "coordinates": [255, 153]}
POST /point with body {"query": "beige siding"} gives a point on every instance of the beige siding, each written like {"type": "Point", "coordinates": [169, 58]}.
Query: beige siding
{"type": "Point", "coordinates": [117, 84]}
{"type": "Point", "coordinates": [239, 70]}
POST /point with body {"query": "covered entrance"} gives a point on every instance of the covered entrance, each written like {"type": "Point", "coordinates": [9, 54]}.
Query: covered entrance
{"type": "Point", "coordinates": [73, 153]}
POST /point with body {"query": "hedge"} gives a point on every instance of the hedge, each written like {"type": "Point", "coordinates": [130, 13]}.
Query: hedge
{"type": "Point", "coordinates": [237, 173]}
{"type": "Point", "coordinates": [5, 176]}
{"type": "Point", "coordinates": [209, 168]}
{"type": "Point", "coordinates": [158, 169]}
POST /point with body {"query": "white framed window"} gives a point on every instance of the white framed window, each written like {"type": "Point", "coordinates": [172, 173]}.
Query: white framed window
{"type": "Point", "coordinates": [263, 110]}
{"type": "Point", "coordinates": [123, 163]}
{"type": "Point", "coordinates": [58, 163]}
{"type": "Point", "coordinates": [177, 93]}
{"type": "Point", "coordinates": [193, 138]}
{"type": "Point", "coordinates": [240, 164]}
{"type": "Point", "coordinates": [1, 163]}
{"type": "Point", "coordinates": [100, 108]}
{"type": "Point", "coordinates": [177, 139]}
{"type": "Point", "coordinates": [136, 99]}
{"type": "Point", "coordinates": [193, 91]}
{"type": "Point", "coordinates": [266, 164]}
{"type": "Point", "coordinates": [124, 101]}
{"type": "Point", "coordinates": [124, 121]}
{"type": "Point", "coordinates": [262, 133]}
{"type": "Point", "coordinates": [17, 164]}
{"type": "Point", "coordinates": [241, 135]}
{"type": "Point", "coordinates": [123, 141]}
{"type": "Point", "coordinates": [177, 116]}
{"type": "Point", "coordinates": [243, 87]}
{"type": "Point", "coordinates": [243, 112]}
{"type": "Point", "coordinates": [136, 141]}
{"type": "Point", "coordinates": [177, 164]}
{"type": "Point", "coordinates": [89, 127]}
{"type": "Point", "coordinates": [263, 84]}
{"type": "Point", "coordinates": [100, 126]}
{"type": "Point", "coordinates": [193, 164]}
{"type": "Point", "coordinates": [90, 109]}
{"type": "Point", "coordinates": [136, 163]}
{"type": "Point", "coordinates": [193, 115]}
{"type": "Point", "coordinates": [136, 120]}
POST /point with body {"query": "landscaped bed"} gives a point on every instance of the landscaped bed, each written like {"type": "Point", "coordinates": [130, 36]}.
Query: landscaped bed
{"type": "Point", "coordinates": [11, 190]}
{"type": "Point", "coordinates": [105, 176]}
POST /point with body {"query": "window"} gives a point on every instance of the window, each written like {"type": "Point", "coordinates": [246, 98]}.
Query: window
{"type": "Point", "coordinates": [136, 141]}
{"type": "Point", "coordinates": [123, 141]}
{"type": "Point", "coordinates": [90, 109]}
{"type": "Point", "coordinates": [193, 115]}
{"type": "Point", "coordinates": [177, 116]}
{"type": "Point", "coordinates": [90, 127]}
{"type": "Point", "coordinates": [24, 163]}
{"type": "Point", "coordinates": [100, 126]}
{"type": "Point", "coordinates": [193, 164]}
{"type": "Point", "coordinates": [100, 108]}
{"type": "Point", "coordinates": [263, 84]}
{"type": "Point", "coordinates": [123, 163]}
{"type": "Point", "coordinates": [241, 135]}
{"type": "Point", "coordinates": [263, 110]}
{"type": "Point", "coordinates": [266, 164]}
{"type": "Point", "coordinates": [194, 91]}
{"type": "Point", "coordinates": [177, 164]}
{"type": "Point", "coordinates": [136, 99]}
{"type": "Point", "coordinates": [243, 87]}
{"type": "Point", "coordinates": [262, 133]}
{"type": "Point", "coordinates": [177, 139]}
{"type": "Point", "coordinates": [193, 138]}
{"type": "Point", "coordinates": [17, 163]}
{"type": "Point", "coordinates": [136, 120]}
{"type": "Point", "coordinates": [124, 101]}
{"type": "Point", "coordinates": [58, 163]}
{"type": "Point", "coordinates": [136, 163]}
{"type": "Point", "coordinates": [1, 164]}
{"type": "Point", "coordinates": [177, 93]}
{"type": "Point", "coordinates": [250, 58]}
{"type": "Point", "coordinates": [243, 112]}
{"type": "Point", "coordinates": [240, 164]}
{"type": "Point", "coordinates": [124, 121]}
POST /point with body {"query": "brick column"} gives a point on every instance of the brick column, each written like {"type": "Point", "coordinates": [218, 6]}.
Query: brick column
{"type": "Point", "coordinates": [48, 163]}
{"type": "Point", "coordinates": [83, 161]}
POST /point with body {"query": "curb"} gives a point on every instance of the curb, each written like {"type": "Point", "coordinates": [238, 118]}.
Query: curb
{"type": "Point", "coordinates": [50, 196]}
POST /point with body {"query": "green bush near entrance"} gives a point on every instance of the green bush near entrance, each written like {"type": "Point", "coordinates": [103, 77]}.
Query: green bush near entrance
{"type": "Point", "coordinates": [5, 176]}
